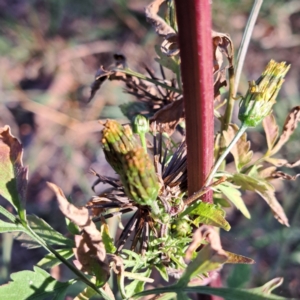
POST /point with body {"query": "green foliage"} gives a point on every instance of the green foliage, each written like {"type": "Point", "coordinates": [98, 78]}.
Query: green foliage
{"type": "Point", "coordinates": [207, 213]}
{"type": "Point", "coordinates": [37, 284]}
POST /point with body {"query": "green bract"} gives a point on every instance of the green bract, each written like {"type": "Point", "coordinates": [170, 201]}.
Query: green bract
{"type": "Point", "coordinates": [261, 95]}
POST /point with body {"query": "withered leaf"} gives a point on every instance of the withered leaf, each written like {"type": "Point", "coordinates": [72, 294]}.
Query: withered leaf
{"type": "Point", "coordinates": [282, 175]}
{"type": "Point", "coordinates": [159, 24]}
{"type": "Point", "coordinates": [170, 45]}
{"type": "Point", "coordinates": [289, 127]}
{"type": "Point", "coordinates": [13, 176]}
{"type": "Point", "coordinates": [271, 130]}
{"type": "Point", "coordinates": [241, 150]}
{"type": "Point", "coordinates": [238, 259]}
{"type": "Point", "coordinates": [167, 118]}
{"type": "Point", "coordinates": [108, 72]}
{"type": "Point", "coordinates": [90, 250]}
{"type": "Point", "coordinates": [222, 46]}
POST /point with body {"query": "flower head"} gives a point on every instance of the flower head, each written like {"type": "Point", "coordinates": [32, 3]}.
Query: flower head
{"type": "Point", "coordinates": [132, 163]}
{"type": "Point", "coordinates": [261, 95]}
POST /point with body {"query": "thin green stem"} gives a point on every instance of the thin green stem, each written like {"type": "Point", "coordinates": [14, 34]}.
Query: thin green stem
{"type": "Point", "coordinates": [143, 141]}
{"type": "Point", "coordinates": [245, 43]}
{"type": "Point", "coordinates": [241, 131]}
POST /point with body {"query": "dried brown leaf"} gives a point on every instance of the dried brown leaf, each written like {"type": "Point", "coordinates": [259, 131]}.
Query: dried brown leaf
{"type": "Point", "coordinates": [271, 130]}
{"type": "Point", "coordinates": [225, 45]}
{"type": "Point", "coordinates": [159, 24]}
{"type": "Point", "coordinates": [167, 118]}
{"type": "Point", "coordinates": [90, 250]}
{"type": "Point", "coordinates": [204, 233]}
{"type": "Point", "coordinates": [108, 72]}
{"type": "Point", "coordinates": [170, 45]}
{"type": "Point", "coordinates": [13, 176]}
{"type": "Point", "coordinates": [222, 46]}
{"type": "Point", "coordinates": [289, 127]}
{"type": "Point", "coordinates": [238, 259]}
{"type": "Point", "coordinates": [241, 150]}
{"type": "Point", "coordinates": [284, 176]}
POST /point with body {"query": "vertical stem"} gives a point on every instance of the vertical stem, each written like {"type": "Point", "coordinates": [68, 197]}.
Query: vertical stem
{"type": "Point", "coordinates": [195, 41]}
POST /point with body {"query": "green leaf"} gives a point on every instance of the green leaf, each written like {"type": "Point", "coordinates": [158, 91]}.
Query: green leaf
{"type": "Point", "coordinates": [46, 232]}
{"type": "Point", "coordinates": [207, 260]}
{"type": "Point", "coordinates": [33, 285]}
{"type": "Point", "coordinates": [10, 227]}
{"type": "Point", "coordinates": [227, 293]}
{"type": "Point", "coordinates": [162, 271]}
{"type": "Point", "coordinates": [218, 200]}
{"type": "Point", "coordinates": [72, 228]}
{"type": "Point", "coordinates": [13, 176]}
{"type": "Point", "coordinates": [239, 276]}
{"type": "Point", "coordinates": [50, 260]}
{"type": "Point", "coordinates": [234, 195]}
{"type": "Point", "coordinates": [7, 214]}
{"type": "Point", "coordinates": [250, 183]}
{"type": "Point", "coordinates": [265, 190]}
{"type": "Point", "coordinates": [137, 286]}
{"type": "Point", "coordinates": [207, 213]}
{"type": "Point", "coordinates": [107, 240]}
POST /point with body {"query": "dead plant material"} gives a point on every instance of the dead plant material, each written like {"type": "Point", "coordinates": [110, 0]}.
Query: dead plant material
{"type": "Point", "coordinates": [90, 250]}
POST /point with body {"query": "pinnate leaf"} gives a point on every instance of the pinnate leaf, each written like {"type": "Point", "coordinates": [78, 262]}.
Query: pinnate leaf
{"type": "Point", "coordinates": [241, 150]}
{"type": "Point", "coordinates": [13, 176]}
{"type": "Point", "coordinates": [238, 259]}
{"type": "Point", "coordinates": [37, 285]}
{"type": "Point", "coordinates": [209, 214]}
{"type": "Point", "coordinates": [265, 190]}
{"type": "Point", "coordinates": [137, 286]}
{"type": "Point", "coordinates": [207, 259]}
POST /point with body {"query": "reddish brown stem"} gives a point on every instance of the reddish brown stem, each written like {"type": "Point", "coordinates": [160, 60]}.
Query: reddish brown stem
{"type": "Point", "coordinates": [195, 41]}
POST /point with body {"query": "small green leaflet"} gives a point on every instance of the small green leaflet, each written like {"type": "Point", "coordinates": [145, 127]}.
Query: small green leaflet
{"type": "Point", "coordinates": [234, 195]}
{"type": "Point", "coordinates": [207, 213]}
{"type": "Point", "coordinates": [50, 260]}
{"type": "Point", "coordinates": [34, 285]}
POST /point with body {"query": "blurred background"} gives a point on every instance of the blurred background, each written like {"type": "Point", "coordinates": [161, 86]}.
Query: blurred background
{"type": "Point", "coordinates": [49, 53]}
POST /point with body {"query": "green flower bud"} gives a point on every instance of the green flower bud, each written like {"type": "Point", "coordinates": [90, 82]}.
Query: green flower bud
{"type": "Point", "coordinates": [132, 163]}
{"type": "Point", "coordinates": [140, 125]}
{"type": "Point", "coordinates": [261, 95]}
{"type": "Point", "coordinates": [181, 228]}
